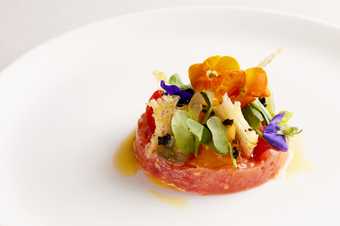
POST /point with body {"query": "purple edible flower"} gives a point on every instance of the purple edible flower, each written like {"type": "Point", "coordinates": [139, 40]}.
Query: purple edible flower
{"type": "Point", "coordinates": [185, 95]}
{"type": "Point", "coordinates": [272, 135]}
{"type": "Point", "coordinates": [170, 89]}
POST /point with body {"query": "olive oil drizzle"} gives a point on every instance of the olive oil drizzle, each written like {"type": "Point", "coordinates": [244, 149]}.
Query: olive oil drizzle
{"type": "Point", "coordinates": [124, 158]}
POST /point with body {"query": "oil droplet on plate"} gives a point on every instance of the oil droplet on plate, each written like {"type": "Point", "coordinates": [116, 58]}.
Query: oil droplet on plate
{"type": "Point", "coordinates": [168, 199]}
{"type": "Point", "coordinates": [165, 198]}
{"type": "Point", "coordinates": [124, 158]}
{"type": "Point", "coordinates": [298, 163]}
{"type": "Point", "coordinates": [125, 162]}
{"type": "Point", "coordinates": [160, 183]}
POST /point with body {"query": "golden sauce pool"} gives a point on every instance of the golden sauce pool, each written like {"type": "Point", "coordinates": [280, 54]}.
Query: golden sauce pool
{"type": "Point", "coordinates": [171, 200]}
{"type": "Point", "coordinates": [125, 162]}
{"type": "Point", "coordinates": [168, 199]}
{"type": "Point", "coordinates": [124, 158]}
{"type": "Point", "coordinates": [160, 183]}
{"type": "Point", "coordinates": [298, 163]}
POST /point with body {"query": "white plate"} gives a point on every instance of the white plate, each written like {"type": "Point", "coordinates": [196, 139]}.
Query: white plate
{"type": "Point", "coordinates": [66, 105]}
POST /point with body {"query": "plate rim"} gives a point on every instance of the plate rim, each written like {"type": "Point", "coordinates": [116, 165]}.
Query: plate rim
{"type": "Point", "coordinates": [67, 36]}
{"type": "Point", "coordinates": [267, 12]}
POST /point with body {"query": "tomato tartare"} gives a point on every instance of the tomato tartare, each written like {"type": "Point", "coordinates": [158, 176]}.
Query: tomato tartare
{"type": "Point", "coordinates": [218, 134]}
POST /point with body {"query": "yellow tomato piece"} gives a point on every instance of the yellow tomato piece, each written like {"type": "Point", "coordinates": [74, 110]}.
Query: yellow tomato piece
{"type": "Point", "coordinates": [231, 133]}
{"type": "Point", "coordinates": [208, 158]}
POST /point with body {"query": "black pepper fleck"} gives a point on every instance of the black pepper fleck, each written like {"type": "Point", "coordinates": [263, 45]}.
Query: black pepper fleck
{"type": "Point", "coordinates": [180, 104]}
{"type": "Point", "coordinates": [236, 153]}
{"type": "Point", "coordinates": [228, 122]}
{"type": "Point", "coordinates": [263, 101]}
{"type": "Point", "coordinates": [164, 140]}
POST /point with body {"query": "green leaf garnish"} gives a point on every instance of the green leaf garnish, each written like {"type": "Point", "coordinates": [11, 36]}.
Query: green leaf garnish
{"type": "Point", "coordinates": [262, 109]}
{"type": "Point", "coordinates": [195, 106]}
{"type": "Point", "coordinates": [270, 105]}
{"type": "Point", "coordinates": [291, 131]}
{"type": "Point", "coordinates": [208, 96]}
{"type": "Point", "coordinates": [219, 137]}
{"type": "Point", "coordinates": [283, 124]}
{"type": "Point", "coordinates": [184, 140]}
{"type": "Point", "coordinates": [171, 154]}
{"type": "Point", "coordinates": [252, 116]}
{"type": "Point", "coordinates": [176, 80]}
{"type": "Point", "coordinates": [201, 133]}
{"type": "Point", "coordinates": [286, 117]}
{"type": "Point", "coordinates": [196, 145]}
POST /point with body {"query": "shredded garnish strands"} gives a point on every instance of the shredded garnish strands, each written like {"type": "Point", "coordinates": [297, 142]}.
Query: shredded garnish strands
{"type": "Point", "coordinates": [270, 58]}
{"type": "Point", "coordinates": [228, 110]}
{"type": "Point", "coordinates": [159, 75]}
{"type": "Point", "coordinates": [176, 94]}
{"type": "Point", "coordinates": [163, 110]}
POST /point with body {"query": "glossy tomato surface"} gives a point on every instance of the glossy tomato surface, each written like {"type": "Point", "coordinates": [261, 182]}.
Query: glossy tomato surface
{"type": "Point", "coordinates": [207, 180]}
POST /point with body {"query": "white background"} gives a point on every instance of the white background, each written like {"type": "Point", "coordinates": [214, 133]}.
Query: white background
{"type": "Point", "coordinates": [68, 111]}
{"type": "Point", "coordinates": [26, 23]}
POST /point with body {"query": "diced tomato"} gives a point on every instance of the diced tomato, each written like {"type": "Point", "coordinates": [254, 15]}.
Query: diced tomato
{"type": "Point", "coordinates": [157, 94]}
{"type": "Point", "coordinates": [150, 129]}
{"type": "Point", "coordinates": [150, 122]}
{"type": "Point", "coordinates": [261, 150]}
{"type": "Point", "coordinates": [205, 180]}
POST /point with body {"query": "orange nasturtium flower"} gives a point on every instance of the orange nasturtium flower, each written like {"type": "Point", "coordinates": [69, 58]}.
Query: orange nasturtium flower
{"type": "Point", "coordinates": [222, 74]}
{"type": "Point", "coordinates": [255, 85]}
